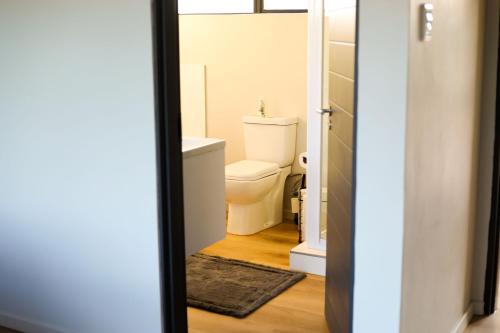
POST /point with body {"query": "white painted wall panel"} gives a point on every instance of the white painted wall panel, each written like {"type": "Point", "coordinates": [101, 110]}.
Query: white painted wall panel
{"type": "Point", "coordinates": [78, 210]}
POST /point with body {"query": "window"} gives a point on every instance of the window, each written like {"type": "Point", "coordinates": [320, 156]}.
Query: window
{"type": "Point", "coordinates": [339, 4]}
{"type": "Point", "coordinates": [215, 6]}
{"type": "Point", "coordinates": [284, 5]}
{"type": "Point", "coordinates": [240, 6]}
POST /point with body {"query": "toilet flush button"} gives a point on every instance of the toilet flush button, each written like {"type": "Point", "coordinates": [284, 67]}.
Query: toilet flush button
{"type": "Point", "coordinates": [427, 21]}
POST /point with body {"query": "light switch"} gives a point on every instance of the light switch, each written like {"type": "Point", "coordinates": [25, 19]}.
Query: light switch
{"type": "Point", "coordinates": [427, 21]}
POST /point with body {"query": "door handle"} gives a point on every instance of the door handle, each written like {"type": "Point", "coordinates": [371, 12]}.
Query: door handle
{"type": "Point", "coordinates": [330, 111]}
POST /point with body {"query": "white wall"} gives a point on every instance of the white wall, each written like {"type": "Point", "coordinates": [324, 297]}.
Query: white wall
{"type": "Point", "coordinates": [444, 106]}
{"type": "Point", "coordinates": [78, 224]}
{"type": "Point", "coordinates": [380, 164]}
{"type": "Point", "coordinates": [487, 137]}
{"type": "Point", "coordinates": [442, 140]}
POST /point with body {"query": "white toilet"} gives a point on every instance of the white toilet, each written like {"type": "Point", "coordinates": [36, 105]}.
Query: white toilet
{"type": "Point", "coordinates": [254, 187]}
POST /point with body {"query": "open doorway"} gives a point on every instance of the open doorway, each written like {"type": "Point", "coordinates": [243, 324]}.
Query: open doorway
{"type": "Point", "coordinates": [247, 103]}
{"type": "Point", "coordinates": [244, 81]}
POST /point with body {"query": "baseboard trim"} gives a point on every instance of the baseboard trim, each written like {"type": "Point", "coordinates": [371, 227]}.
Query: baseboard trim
{"type": "Point", "coordinates": [462, 324]}
{"type": "Point", "coordinates": [18, 323]}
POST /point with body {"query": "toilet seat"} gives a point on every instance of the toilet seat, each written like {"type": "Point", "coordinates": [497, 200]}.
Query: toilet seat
{"type": "Point", "coordinates": [248, 170]}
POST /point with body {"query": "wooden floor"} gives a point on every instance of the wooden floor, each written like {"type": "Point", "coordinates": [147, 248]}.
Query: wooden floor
{"type": "Point", "coordinates": [269, 247]}
{"type": "Point", "coordinates": [298, 309]}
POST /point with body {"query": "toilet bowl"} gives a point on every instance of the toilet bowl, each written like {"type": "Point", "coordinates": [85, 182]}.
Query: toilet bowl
{"type": "Point", "coordinates": [254, 187]}
{"type": "Point", "coordinates": [250, 181]}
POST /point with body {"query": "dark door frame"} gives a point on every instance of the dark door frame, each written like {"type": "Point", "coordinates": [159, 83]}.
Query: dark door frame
{"type": "Point", "coordinates": [491, 280]}
{"type": "Point", "coordinates": [169, 166]}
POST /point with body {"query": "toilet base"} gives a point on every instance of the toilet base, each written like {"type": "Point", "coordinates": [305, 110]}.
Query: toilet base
{"type": "Point", "coordinates": [248, 219]}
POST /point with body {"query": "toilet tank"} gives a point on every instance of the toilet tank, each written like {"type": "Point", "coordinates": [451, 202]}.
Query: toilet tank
{"type": "Point", "coordinates": [270, 139]}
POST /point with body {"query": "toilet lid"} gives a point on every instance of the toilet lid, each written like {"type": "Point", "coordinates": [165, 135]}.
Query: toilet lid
{"type": "Point", "coordinates": [248, 170]}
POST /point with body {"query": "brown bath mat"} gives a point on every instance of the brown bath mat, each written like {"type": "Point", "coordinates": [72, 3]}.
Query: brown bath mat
{"type": "Point", "coordinates": [233, 287]}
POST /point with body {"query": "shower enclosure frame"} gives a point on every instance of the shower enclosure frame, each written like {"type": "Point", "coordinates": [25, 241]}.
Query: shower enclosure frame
{"type": "Point", "coordinates": [315, 125]}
